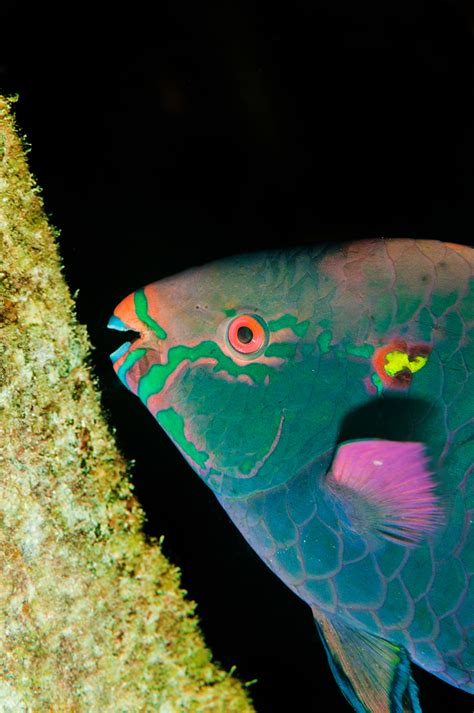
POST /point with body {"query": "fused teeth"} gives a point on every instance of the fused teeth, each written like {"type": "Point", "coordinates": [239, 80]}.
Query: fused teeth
{"type": "Point", "coordinates": [117, 324]}
{"type": "Point", "coordinates": [120, 351]}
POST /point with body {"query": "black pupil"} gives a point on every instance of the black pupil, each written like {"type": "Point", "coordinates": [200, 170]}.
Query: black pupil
{"type": "Point", "coordinates": [244, 335]}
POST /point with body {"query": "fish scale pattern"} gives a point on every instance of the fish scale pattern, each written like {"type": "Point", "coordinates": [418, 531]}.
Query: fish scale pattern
{"type": "Point", "coordinates": [421, 597]}
{"type": "Point", "coordinates": [370, 340]}
{"type": "Point", "coordinates": [406, 595]}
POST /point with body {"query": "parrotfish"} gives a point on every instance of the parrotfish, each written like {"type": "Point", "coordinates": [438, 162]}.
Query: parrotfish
{"type": "Point", "coordinates": [325, 395]}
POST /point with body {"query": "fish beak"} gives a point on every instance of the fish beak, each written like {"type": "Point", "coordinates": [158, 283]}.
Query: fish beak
{"type": "Point", "coordinates": [115, 356]}
{"type": "Point", "coordinates": [117, 324]}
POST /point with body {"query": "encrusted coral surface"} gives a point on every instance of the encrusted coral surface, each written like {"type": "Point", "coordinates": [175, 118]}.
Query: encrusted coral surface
{"type": "Point", "coordinates": [92, 617]}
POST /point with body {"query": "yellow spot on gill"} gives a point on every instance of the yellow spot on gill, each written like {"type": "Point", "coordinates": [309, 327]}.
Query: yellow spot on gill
{"type": "Point", "coordinates": [397, 361]}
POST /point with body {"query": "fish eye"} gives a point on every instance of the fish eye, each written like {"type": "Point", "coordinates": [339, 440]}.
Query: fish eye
{"type": "Point", "coordinates": [247, 334]}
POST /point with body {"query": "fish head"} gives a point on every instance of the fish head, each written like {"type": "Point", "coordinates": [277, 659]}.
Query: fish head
{"type": "Point", "coordinates": [220, 362]}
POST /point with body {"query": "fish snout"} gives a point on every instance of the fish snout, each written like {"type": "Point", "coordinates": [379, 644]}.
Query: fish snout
{"type": "Point", "coordinates": [125, 319]}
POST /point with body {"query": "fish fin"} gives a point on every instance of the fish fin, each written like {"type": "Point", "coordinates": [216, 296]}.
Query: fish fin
{"type": "Point", "coordinates": [373, 674]}
{"type": "Point", "coordinates": [387, 486]}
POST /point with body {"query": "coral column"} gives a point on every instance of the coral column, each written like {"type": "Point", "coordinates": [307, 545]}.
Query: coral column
{"type": "Point", "coordinates": [92, 617]}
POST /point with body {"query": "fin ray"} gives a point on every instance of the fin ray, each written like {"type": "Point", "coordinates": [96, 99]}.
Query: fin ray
{"type": "Point", "coordinates": [373, 674]}
{"type": "Point", "coordinates": [393, 480]}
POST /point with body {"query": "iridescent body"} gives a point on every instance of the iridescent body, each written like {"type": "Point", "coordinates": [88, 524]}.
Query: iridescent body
{"type": "Point", "coordinates": [366, 345]}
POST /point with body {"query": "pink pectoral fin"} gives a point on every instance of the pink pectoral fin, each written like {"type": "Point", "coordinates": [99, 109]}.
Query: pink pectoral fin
{"type": "Point", "coordinates": [394, 480]}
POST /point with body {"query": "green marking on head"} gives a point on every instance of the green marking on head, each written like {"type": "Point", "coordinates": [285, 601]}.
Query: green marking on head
{"type": "Point", "coordinates": [141, 308]}
{"type": "Point", "coordinates": [377, 382]}
{"type": "Point", "coordinates": [153, 381]}
{"type": "Point", "coordinates": [173, 423]}
{"type": "Point", "coordinates": [359, 350]}
{"type": "Point", "coordinates": [289, 321]}
{"type": "Point", "coordinates": [128, 362]}
{"type": "Point", "coordinates": [283, 322]}
{"type": "Point", "coordinates": [324, 341]}
{"type": "Point", "coordinates": [301, 328]}
{"type": "Point", "coordinates": [284, 350]}
{"type": "Point", "coordinates": [363, 350]}
{"type": "Point", "coordinates": [230, 312]}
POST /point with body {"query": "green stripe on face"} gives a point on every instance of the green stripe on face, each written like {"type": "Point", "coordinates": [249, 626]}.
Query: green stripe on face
{"type": "Point", "coordinates": [141, 308]}
{"type": "Point", "coordinates": [173, 423]}
{"type": "Point", "coordinates": [128, 362]}
{"type": "Point", "coordinates": [289, 321]}
{"type": "Point", "coordinates": [153, 381]}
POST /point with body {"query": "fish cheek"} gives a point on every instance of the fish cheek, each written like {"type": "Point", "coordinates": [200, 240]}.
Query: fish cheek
{"type": "Point", "coordinates": [224, 417]}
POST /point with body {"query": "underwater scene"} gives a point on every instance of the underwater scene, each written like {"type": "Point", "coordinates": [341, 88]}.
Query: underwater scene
{"type": "Point", "coordinates": [265, 221]}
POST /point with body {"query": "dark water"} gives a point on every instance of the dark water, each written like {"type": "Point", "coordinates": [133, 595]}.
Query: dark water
{"type": "Point", "coordinates": [210, 128]}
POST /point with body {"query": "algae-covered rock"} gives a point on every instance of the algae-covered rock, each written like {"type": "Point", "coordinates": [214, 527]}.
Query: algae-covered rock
{"type": "Point", "coordinates": [92, 617]}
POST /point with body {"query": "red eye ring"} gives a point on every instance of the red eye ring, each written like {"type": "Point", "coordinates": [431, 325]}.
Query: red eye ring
{"type": "Point", "coordinates": [246, 334]}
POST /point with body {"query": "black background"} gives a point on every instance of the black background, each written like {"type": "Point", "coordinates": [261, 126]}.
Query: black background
{"type": "Point", "coordinates": [168, 134]}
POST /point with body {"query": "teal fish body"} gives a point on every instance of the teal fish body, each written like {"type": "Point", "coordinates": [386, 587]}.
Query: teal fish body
{"type": "Point", "coordinates": [325, 396]}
